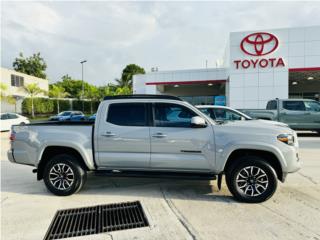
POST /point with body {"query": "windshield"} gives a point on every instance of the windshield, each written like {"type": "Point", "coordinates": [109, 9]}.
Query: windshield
{"type": "Point", "coordinates": [64, 114]}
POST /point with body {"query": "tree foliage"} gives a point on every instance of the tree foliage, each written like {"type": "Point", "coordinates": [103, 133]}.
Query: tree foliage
{"type": "Point", "coordinates": [4, 96]}
{"type": "Point", "coordinates": [57, 92]}
{"type": "Point", "coordinates": [127, 75]}
{"type": "Point", "coordinates": [33, 65]}
{"type": "Point", "coordinates": [33, 90]}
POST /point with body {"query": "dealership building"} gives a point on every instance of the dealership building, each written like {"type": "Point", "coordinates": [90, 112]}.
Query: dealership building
{"type": "Point", "coordinates": [257, 66]}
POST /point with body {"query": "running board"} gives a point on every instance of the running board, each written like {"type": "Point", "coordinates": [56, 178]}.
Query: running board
{"type": "Point", "coordinates": [151, 174]}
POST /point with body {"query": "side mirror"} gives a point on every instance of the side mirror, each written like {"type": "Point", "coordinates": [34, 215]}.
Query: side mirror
{"type": "Point", "coordinates": [198, 122]}
{"type": "Point", "coordinates": [243, 118]}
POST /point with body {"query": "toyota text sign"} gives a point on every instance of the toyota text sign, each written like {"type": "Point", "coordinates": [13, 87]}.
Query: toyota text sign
{"type": "Point", "coordinates": [257, 45]}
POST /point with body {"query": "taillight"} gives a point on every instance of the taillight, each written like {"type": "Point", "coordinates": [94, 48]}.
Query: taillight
{"type": "Point", "coordinates": [12, 136]}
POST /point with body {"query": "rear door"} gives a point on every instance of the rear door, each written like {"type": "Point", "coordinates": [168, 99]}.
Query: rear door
{"type": "Point", "coordinates": [313, 114]}
{"type": "Point", "coordinates": [294, 114]}
{"type": "Point", "coordinates": [123, 137]}
{"type": "Point", "coordinates": [175, 144]}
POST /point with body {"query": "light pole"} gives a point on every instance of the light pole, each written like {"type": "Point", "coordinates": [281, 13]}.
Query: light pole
{"type": "Point", "coordinates": [82, 62]}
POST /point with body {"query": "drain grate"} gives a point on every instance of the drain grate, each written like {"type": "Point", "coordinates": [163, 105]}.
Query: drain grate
{"type": "Point", "coordinates": [96, 219]}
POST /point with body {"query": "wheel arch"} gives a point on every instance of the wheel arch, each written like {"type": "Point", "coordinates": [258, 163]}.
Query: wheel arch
{"type": "Point", "coordinates": [51, 151]}
{"type": "Point", "coordinates": [269, 157]}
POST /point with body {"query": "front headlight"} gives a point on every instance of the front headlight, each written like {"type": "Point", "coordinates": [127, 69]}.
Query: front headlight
{"type": "Point", "coordinates": [286, 138]}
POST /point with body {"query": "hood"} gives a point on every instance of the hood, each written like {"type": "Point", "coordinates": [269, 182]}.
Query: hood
{"type": "Point", "coordinates": [258, 126]}
{"type": "Point", "coordinates": [274, 123]}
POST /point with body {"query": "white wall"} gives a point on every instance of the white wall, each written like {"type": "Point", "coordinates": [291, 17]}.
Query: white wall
{"type": "Point", "coordinates": [252, 88]}
{"type": "Point", "coordinates": [139, 81]}
{"type": "Point", "coordinates": [19, 92]}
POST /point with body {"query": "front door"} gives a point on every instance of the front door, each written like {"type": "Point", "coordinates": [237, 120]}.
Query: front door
{"type": "Point", "coordinates": [123, 138]}
{"type": "Point", "coordinates": [175, 144]}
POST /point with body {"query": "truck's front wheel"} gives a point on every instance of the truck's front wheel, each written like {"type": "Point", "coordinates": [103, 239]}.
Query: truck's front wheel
{"type": "Point", "coordinates": [63, 175]}
{"type": "Point", "coordinates": [251, 180]}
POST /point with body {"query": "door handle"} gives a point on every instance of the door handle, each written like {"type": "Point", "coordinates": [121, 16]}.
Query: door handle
{"type": "Point", "coordinates": [159, 135]}
{"type": "Point", "coordinates": [108, 134]}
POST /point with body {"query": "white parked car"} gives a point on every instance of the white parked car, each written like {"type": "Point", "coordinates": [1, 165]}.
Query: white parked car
{"type": "Point", "coordinates": [9, 119]}
{"type": "Point", "coordinates": [223, 113]}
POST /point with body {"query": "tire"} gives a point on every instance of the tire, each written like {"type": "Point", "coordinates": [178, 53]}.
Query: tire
{"type": "Point", "coordinates": [254, 187]}
{"type": "Point", "coordinates": [70, 181]}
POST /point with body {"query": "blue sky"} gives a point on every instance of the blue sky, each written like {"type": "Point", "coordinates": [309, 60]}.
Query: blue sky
{"type": "Point", "coordinates": [110, 35]}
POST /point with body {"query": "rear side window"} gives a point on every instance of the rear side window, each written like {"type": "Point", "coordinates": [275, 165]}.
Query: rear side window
{"type": "Point", "coordinates": [12, 116]}
{"type": "Point", "coordinates": [294, 105]}
{"type": "Point", "coordinates": [272, 105]}
{"type": "Point", "coordinates": [127, 114]}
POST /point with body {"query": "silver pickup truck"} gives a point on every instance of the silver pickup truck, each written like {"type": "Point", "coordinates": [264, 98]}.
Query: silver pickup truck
{"type": "Point", "coordinates": [162, 136]}
{"type": "Point", "coordinates": [299, 114]}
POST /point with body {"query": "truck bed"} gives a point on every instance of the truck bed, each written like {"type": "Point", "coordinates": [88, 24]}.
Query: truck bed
{"type": "Point", "coordinates": [32, 139]}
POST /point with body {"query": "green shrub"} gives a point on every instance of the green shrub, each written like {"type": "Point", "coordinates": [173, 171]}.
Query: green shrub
{"type": "Point", "coordinates": [41, 105]}
{"type": "Point", "coordinates": [49, 106]}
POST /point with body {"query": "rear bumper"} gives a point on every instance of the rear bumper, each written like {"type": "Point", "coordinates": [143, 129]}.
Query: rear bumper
{"type": "Point", "coordinates": [10, 156]}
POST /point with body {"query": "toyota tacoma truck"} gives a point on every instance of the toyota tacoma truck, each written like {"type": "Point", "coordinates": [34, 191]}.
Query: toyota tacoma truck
{"type": "Point", "coordinates": [299, 114]}
{"type": "Point", "coordinates": [162, 136]}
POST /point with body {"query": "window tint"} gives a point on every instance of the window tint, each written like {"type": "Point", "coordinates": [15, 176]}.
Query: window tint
{"type": "Point", "coordinates": [172, 115]}
{"type": "Point", "coordinates": [294, 105]}
{"type": "Point", "coordinates": [312, 106]}
{"type": "Point", "coordinates": [12, 116]}
{"type": "Point", "coordinates": [272, 105]}
{"type": "Point", "coordinates": [4, 116]}
{"type": "Point", "coordinates": [127, 114]}
{"type": "Point", "coordinates": [225, 115]}
{"type": "Point", "coordinates": [208, 112]}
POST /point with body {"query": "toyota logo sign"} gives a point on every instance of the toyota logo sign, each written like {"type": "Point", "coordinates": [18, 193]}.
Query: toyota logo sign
{"type": "Point", "coordinates": [259, 44]}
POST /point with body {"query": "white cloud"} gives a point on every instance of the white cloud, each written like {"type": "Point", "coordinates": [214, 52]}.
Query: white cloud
{"type": "Point", "coordinates": [110, 35]}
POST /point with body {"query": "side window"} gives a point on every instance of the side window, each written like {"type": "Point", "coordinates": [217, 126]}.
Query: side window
{"type": "Point", "coordinates": [225, 115]}
{"type": "Point", "coordinates": [4, 116]}
{"type": "Point", "coordinates": [294, 105]}
{"type": "Point", "coordinates": [127, 114]}
{"type": "Point", "coordinates": [312, 106]}
{"type": "Point", "coordinates": [209, 112]}
{"type": "Point", "coordinates": [12, 116]}
{"type": "Point", "coordinates": [272, 105]}
{"type": "Point", "coordinates": [172, 115]}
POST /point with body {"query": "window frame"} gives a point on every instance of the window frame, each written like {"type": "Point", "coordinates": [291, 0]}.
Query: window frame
{"type": "Point", "coordinates": [180, 105]}
{"type": "Point", "coordinates": [17, 81]}
{"type": "Point", "coordinates": [147, 113]}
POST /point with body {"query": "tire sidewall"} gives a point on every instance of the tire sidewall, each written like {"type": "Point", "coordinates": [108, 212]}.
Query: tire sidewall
{"type": "Point", "coordinates": [79, 174]}
{"type": "Point", "coordinates": [252, 161]}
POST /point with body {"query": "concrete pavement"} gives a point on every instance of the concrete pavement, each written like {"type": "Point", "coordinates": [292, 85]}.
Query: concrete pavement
{"type": "Point", "coordinates": [176, 209]}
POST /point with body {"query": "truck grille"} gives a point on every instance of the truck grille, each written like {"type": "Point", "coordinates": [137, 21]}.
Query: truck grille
{"type": "Point", "coordinates": [96, 219]}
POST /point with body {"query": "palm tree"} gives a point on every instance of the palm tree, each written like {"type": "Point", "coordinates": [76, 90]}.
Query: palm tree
{"type": "Point", "coordinates": [5, 97]}
{"type": "Point", "coordinates": [92, 93]}
{"type": "Point", "coordinates": [33, 90]}
{"type": "Point", "coordinates": [57, 92]}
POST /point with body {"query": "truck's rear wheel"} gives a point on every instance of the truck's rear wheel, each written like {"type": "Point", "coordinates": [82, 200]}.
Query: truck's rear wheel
{"type": "Point", "coordinates": [251, 180]}
{"type": "Point", "coordinates": [63, 175]}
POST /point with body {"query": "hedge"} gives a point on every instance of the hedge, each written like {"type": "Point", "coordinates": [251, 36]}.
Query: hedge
{"type": "Point", "coordinates": [49, 106]}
